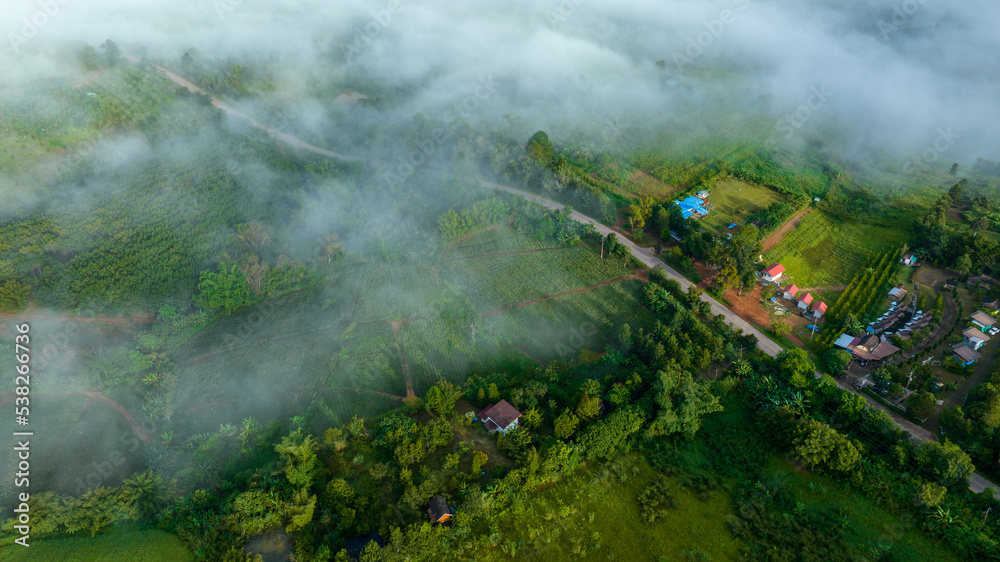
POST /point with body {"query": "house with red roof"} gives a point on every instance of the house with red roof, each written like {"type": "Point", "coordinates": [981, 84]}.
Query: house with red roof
{"type": "Point", "coordinates": [819, 309]}
{"type": "Point", "coordinates": [500, 416]}
{"type": "Point", "coordinates": [772, 273]}
{"type": "Point", "coordinates": [789, 292]}
{"type": "Point", "coordinates": [805, 301]}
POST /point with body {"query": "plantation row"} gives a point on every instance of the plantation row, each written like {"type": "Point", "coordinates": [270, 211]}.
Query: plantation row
{"type": "Point", "coordinates": [866, 290]}
{"type": "Point", "coordinates": [501, 281]}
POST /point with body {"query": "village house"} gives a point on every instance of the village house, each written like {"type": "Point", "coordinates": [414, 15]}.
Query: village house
{"type": "Point", "coordinates": [772, 273]}
{"type": "Point", "coordinates": [897, 293]}
{"type": "Point", "coordinates": [982, 282]}
{"type": "Point", "coordinates": [692, 207]}
{"type": "Point", "coordinates": [965, 355]}
{"type": "Point", "coordinates": [439, 511]}
{"type": "Point", "coordinates": [789, 292]}
{"type": "Point", "coordinates": [974, 338]}
{"type": "Point", "coordinates": [990, 303]}
{"type": "Point", "coordinates": [819, 309]}
{"type": "Point", "coordinates": [805, 301]}
{"type": "Point", "coordinates": [873, 348]}
{"type": "Point", "coordinates": [910, 260]}
{"type": "Point", "coordinates": [500, 416]}
{"type": "Point", "coordinates": [983, 321]}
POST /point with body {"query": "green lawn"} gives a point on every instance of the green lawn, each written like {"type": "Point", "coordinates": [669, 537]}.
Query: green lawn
{"type": "Point", "coordinates": [596, 513]}
{"type": "Point", "coordinates": [825, 253]}
{"type": "Point", "coordinates": [729, 195]}
{"type": "Point", "coordinates": [126, 545]}
{"type": "Point", "coordinates": [868, 524]}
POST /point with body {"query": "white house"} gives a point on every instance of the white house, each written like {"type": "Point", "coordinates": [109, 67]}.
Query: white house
{"type": "Point", "coordinates": [772, 273]}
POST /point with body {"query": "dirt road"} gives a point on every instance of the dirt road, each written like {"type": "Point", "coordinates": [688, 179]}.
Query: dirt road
{"type": "Point", "coordinates": [776, 236]}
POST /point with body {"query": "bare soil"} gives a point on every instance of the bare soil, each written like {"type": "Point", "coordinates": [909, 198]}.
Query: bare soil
{"type": "Point", "coordinates": [776, 236]}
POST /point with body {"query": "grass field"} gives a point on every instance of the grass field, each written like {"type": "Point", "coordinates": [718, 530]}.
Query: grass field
{"type": "Point", "coordinates": [869, 523]}
{"type": "Point", "coordinates": [826, 253]}
{"type": "Point", "coordinates": [731, 194]}
{"type": "Point", "coordinates": [642, 184]}
{"type": "Point", "coordinates": [596, 514]}
{"type": "Point", "coordinates": [130, 544]}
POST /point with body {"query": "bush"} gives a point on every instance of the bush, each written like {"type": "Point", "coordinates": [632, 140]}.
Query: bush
{"type": "Point", "coordinates": [13, 296]}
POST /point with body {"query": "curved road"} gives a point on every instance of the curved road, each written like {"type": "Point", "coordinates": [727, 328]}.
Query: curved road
{"type": "Point", "coordinates": [976, 482]}
{"type": "Point", "coordinates": [766, 345]}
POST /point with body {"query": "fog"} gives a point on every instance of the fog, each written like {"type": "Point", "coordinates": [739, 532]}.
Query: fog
{"type": "Point", "coordinates": [897, 72]}
{"type": "Point", "coordinates": [872, 81]}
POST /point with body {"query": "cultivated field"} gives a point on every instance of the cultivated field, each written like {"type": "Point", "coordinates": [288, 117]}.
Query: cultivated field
{"type": "Point", "coordinates": [381, 332]}
{"type": "Point", "coordinates": [131, 543]}
{"type": "Point", "coordinates": [824, 253]}
{"type": "Point", "coordinates": [731, 195]}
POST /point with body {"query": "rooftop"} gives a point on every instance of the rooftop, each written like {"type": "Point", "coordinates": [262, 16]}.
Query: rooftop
{"type": "Point", "coordinates": [774, 269]}
{"type": "Point", "coordinates": [966, 353]}
{"type": "Point", "coordinates": [983, 318]}
{"type": "Point", "coordinates": [499, 415]}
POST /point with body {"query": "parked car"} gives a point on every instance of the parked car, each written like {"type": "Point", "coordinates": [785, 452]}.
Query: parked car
{"type": "Point", "coordinates": [994, 330]}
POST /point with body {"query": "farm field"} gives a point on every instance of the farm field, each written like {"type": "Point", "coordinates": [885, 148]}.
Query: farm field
{"type": "Point", "coordinates": [382, 331]}
{"type": "Point", "coordinates": [824, 253]}
{"type": "Point", "coordinates": [601, 507]}
{"type": "Point", "coordinates": [132, 543]}
{"type": "Point", "coordinates": [642, 184]}
{"type": "Point", "coordinates": [730, 194]}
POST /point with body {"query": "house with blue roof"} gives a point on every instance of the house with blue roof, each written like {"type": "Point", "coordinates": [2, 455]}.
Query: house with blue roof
{"type": "Point", "coordinates": [692, 206]}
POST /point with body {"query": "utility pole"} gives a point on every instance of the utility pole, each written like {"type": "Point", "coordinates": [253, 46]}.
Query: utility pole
{"type": "Point", "coordinates": [985, 515]}
{"type": "Point", "coordinates": [602, 247]}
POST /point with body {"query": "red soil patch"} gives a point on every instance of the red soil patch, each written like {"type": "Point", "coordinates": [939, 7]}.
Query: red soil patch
{"type": "Point", "coordinates": [469, 235]}
{"type": "Point", "coordinates": [88, 80]}
{"type": "Point", "coordinates": [796, 340]}
{"type": "Point", "coordinates": [749, 306]}
{"type": "Point", "coordinates": [706, 273]}
{"type": "Point", "coordinates": [776, 236]}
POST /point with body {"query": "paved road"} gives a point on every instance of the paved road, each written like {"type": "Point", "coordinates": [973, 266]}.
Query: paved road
{"type": "Point", "coordinates": [976, 482]}
{"type": "Point", "coordinates": [766, 345]}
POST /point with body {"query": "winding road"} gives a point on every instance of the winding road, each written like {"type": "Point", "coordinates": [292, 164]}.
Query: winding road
{"type": "Point", "coordinates": [977, 483]}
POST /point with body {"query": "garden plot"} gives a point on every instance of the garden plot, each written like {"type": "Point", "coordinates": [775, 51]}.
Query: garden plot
{"type": "Point", "coordinates": [825, 253]}
{"type": "Point", "coordinates": [498, 282]}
